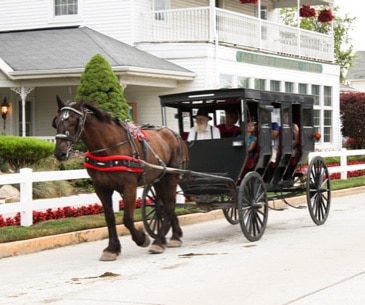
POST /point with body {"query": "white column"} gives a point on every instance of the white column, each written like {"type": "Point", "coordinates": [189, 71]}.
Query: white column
{"type": "Point", "coordinates": [23, 92]}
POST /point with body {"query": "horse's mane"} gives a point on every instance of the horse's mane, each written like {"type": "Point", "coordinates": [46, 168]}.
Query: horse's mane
{"type": "Point", "coordinates": [100, 114]}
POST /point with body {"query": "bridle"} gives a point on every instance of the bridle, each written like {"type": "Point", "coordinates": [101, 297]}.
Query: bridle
{"type": "Point", "coordinates": [64, 116]}
{"type": "Point", "coordinates": [72, 140]}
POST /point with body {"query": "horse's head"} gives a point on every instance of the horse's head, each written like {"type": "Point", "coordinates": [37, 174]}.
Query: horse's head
{"type": "Point", "coordinates": [69, 124]}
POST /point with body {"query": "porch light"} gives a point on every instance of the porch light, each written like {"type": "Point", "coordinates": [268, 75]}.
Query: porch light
{"type": "Point", "coordinates": [4, 110]}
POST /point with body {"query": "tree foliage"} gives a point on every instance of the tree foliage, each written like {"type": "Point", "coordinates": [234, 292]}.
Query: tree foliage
{"type": "Point", "coordinates": [21, 152]}
{"type": "Point", "coordinates": [343, 49]}
{"type": "Point", "coordinates": [352, 109]}
{"type": "Point", "coordinates": [100, 85]}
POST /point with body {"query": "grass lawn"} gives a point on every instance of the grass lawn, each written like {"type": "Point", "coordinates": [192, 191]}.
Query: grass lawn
{"type": "Point", "coordinates": [59, 226]}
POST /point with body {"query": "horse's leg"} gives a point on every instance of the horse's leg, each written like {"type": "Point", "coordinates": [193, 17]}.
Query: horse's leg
{"type": "Point", "coordinates": [175, 240]}
{"type": "Point", "coordinates": [113, 249]}
{"type": "Point", "coordinates": [166, 191]}
{"type": "Point", "coordinates": [129, 198]}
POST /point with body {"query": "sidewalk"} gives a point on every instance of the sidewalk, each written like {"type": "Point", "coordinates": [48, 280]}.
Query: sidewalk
{"type": "Point", "coordinates": [55, 241]}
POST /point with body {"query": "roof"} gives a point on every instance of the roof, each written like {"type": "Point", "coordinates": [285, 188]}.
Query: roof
{"type": "Point", "coordinates": [192, 99]}
{"type": "Point", "coordinates": [72, 48]}
{"type": "Point", "coordinates": [357, 70]}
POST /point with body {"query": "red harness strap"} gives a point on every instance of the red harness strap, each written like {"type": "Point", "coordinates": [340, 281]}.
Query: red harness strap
{"type": "Point", "coordinates": [114, 163]}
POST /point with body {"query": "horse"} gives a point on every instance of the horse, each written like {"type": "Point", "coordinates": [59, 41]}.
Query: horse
{"type": "Point", "coordinates": [117, 160]}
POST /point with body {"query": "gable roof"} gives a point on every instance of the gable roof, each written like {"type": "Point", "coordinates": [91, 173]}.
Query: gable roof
{"type": "Point", "coordinates": [56, 50]}
{"type": "Point", "coordinates": [357, 70]}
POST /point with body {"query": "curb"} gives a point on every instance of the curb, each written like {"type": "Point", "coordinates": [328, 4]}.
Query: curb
{"type": "Point", "coordinates": [73, 238]}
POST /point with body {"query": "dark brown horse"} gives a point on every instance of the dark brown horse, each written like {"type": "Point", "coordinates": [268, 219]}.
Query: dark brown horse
{"type": "Point", "coordinates": [117, 150]}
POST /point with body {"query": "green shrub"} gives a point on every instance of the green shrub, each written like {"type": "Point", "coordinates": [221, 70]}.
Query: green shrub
{"type": "Point", "coordinates": [52, 189]}
{"type": "Point", "coordinates": [21, 152]}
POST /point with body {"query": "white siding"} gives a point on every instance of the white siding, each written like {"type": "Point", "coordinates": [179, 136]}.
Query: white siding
{"type": "Point", "coordinates": [23, 14]}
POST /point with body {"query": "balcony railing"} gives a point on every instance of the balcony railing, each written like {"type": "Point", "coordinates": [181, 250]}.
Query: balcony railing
{"type": "Point", "coordinates": [212, 25]}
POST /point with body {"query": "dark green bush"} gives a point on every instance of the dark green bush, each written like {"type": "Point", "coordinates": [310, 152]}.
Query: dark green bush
{"type": "Point", "coordinates": [21, 152]}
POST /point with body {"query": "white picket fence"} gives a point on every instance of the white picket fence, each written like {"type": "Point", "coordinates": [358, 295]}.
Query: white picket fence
{"type": "Point", "coordinates": [343, 168]}
{"type": "Point", "coordinates": [27, 177]}
{"type": "Point", "coordinates": [27, 205]}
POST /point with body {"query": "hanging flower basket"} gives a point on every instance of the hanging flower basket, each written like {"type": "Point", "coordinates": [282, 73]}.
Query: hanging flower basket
{"type": "Point", "coordinates": [249, 1]}
{"type": "Point", "coordinates": [325, 16]}
{"type": "Point", "coordinates": [306, 11]}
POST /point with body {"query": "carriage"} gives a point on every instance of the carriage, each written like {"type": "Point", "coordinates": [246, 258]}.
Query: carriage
{"type": "Point", "coordinates": [209, 174]}
{"type": "Point", "coordinates": [222, 174]}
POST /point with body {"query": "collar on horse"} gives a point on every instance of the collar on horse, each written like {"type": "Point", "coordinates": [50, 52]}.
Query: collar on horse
{"type": "Point", "coordinates": [113, 163]}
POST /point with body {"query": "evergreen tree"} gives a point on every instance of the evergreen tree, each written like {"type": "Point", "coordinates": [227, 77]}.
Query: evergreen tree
{"type": "Point", "coordinates": [100, 85]}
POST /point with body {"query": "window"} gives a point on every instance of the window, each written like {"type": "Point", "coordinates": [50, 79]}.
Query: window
{"type": "Point", "coordinates": [225, 81]}
{"type": "Point", "coordinates": [289, 87]}
{"type": "Point", "coordinates": [327, 96]}
{"type": "Point", "coordinates": [260, 84]}
{"type": "Point", "coordinates": [243, 82]}
{"type": "Point", "coordinates": [303, 88]}
{"type": "Point", "coordinates": [66, 7]}
{"type": "Point", "coordinates": [315, 92]}
{"type": "Point", "coordinates": [327, 127]}
{"type": "Point", "coordinates": [275, 85]}
{"type": "Point", "coordinates": [316, 119]}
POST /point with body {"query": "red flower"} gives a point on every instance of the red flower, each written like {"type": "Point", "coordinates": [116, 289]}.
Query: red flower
{"type": "Point", "coordinates": [306, 11]}
{"type": "Point", "coordinates": [249, 1]}
{"type": "Point", "coordinates": [325, 15]}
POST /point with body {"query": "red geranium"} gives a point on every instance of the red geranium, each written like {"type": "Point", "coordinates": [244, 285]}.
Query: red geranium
{"type": "Point", "coordinates": [306, 11]}
{"type": "Point", "coordinates": [325, 15]}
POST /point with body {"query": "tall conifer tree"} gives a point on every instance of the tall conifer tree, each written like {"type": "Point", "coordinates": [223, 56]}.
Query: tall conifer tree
{"type": "Point", "coordinates": [100, 85]}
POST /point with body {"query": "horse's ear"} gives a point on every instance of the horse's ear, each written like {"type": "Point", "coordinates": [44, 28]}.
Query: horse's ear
{"type": "Point", "coordinates": [60, 103]}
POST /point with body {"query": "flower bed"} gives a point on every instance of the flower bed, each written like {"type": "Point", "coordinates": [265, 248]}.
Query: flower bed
{"type": "Point", "coordinates": [49, 214]}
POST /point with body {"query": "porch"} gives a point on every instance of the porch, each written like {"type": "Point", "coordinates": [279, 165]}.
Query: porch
{"type": "Point", "coordinates": [224, 27]}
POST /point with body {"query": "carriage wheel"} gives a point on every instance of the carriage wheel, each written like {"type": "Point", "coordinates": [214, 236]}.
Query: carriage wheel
{"type": "Point", "coordinates": [253, 206]}
{"type": "Point", "coordinates": [152, 211]}
{"type": "Point", "coordinates": [231, 214]}
{"type": "Point", "coordinates": [318, 190]}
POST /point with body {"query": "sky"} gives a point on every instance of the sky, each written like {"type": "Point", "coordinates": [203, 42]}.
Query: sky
{"type": "Point", "coordinates": [354, 9]}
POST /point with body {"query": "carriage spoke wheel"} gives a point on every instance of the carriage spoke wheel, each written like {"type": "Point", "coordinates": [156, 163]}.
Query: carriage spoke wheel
{"type": "Point", "coordinates": [152, 211]}
{"type": "Point", "coordinates": [318, 190]}
{"type": "Point", "coordinates": [231, 214]}
{"type": "Point", "coordinates": [253, 206]}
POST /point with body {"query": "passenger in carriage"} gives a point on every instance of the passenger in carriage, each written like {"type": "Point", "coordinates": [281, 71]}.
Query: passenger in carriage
{"type": "Point", "coordinates": [230, 128]}
{"type": "Point", "coordinates": [274, 141]}
{"type": "Point", "coordinates": [202, 130]}
{"type": "Point", "coordinates": [251, 139]}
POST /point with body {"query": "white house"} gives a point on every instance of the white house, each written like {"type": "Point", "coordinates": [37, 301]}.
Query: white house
{"type": "Point", "coordinates": [158, 47]}
{"type": "Point", "coordinates": [355, 77]}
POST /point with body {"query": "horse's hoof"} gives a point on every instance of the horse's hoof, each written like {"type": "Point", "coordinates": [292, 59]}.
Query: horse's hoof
{"type": "Point", "coordinates": [156, 249]}
{"type": "Point", "coordinates": [108, 256]}
{"type": "Point", "coordinates": [174, 243]}
{"type": "Point", "coordinates": [146, 242]}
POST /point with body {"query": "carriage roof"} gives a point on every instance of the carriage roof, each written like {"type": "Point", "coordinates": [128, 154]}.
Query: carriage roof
{"type": "Point", "coordinates": [222, 97]}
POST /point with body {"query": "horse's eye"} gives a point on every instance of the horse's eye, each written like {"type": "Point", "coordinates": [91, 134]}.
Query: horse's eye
{"type": "Point", "coordinates": [65, 115]}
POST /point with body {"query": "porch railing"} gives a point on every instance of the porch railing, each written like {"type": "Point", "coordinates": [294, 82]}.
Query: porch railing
{"type": "Point", "coordinates": [205, 24]}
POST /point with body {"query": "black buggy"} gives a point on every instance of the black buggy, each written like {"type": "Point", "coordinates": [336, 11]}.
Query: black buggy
{"type": "Point", "coordinates": [221, 173]}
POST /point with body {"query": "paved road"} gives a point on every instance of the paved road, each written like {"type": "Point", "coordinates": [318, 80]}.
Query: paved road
{"type": "Point", "coordinates": [296, 263]}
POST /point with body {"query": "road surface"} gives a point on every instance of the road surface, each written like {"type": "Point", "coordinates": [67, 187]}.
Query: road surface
{"type": "Point", "coordinates": [296, 263]}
